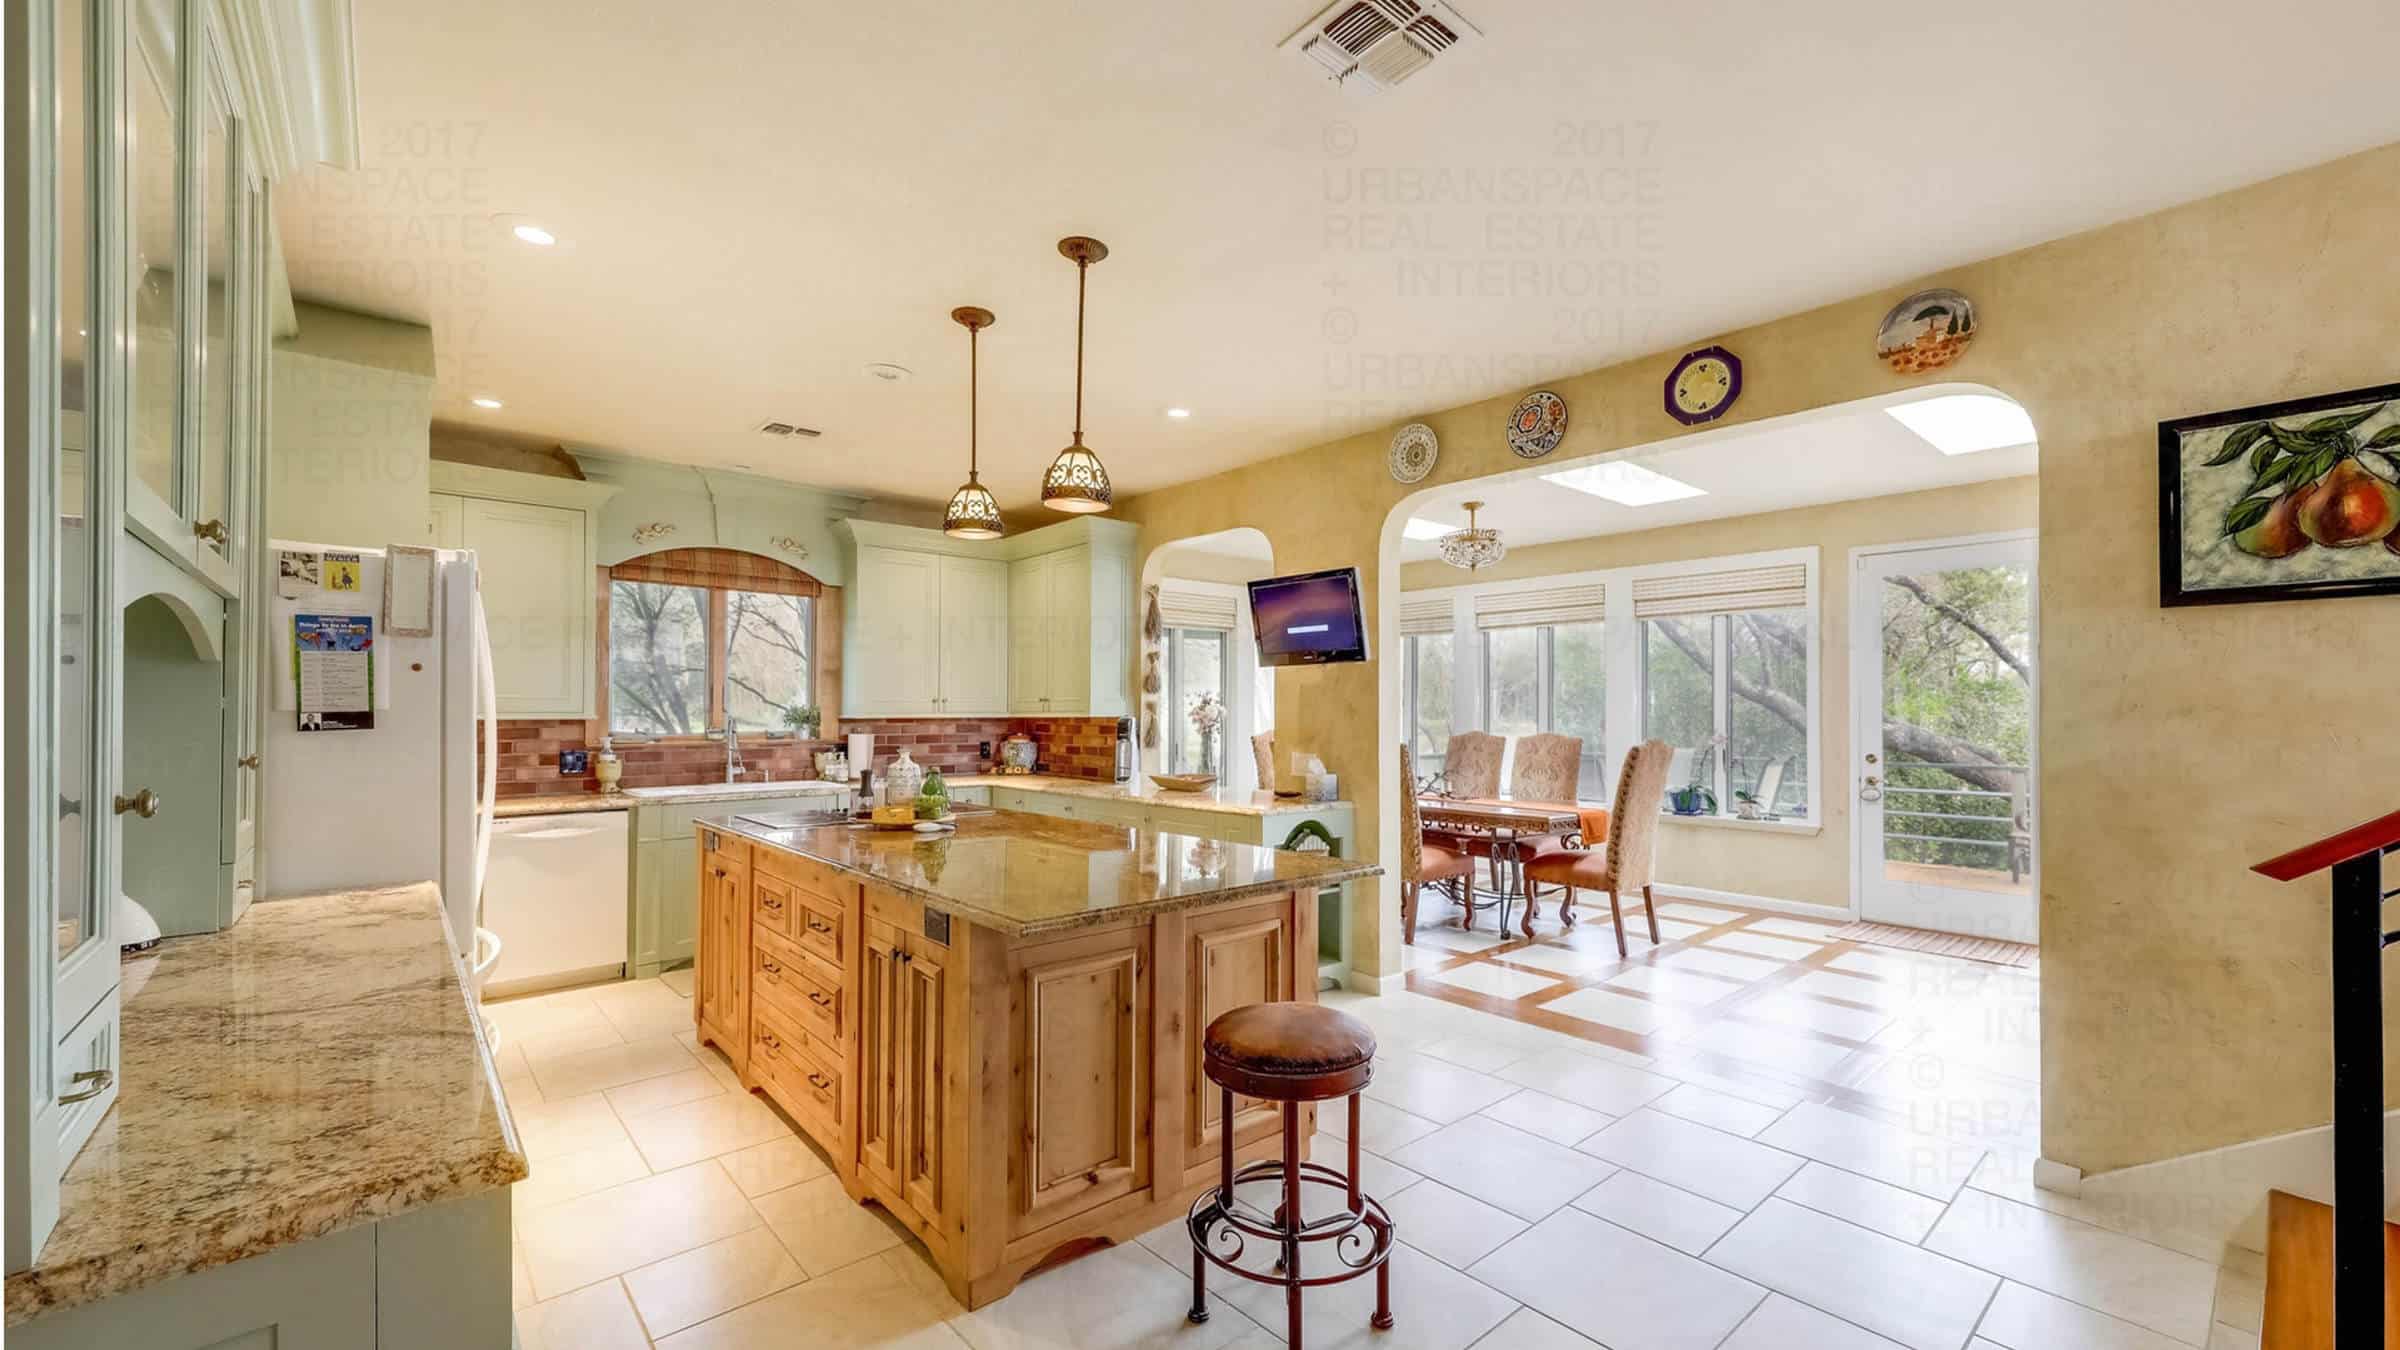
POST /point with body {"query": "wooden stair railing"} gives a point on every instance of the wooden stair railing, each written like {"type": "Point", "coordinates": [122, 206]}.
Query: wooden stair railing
{"type": "Point", "coordinates": [2355, 857]}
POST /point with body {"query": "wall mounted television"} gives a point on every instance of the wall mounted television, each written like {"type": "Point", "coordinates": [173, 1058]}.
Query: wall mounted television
{"type": "Point", "coordinates": [1309, 619]}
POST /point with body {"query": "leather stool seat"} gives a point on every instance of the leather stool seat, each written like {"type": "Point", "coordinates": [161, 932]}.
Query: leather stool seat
{"type": "Point", "coordinates": [1289, 1052]}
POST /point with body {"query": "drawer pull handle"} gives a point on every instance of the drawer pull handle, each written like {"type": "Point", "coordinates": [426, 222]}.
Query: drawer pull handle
{"type": "Point", "coordinates": [100, 1080]}
{"type": "Point", "coordinates": [769, 966]}
{"type": "Point", "coordinates": [819, 998]}
{"type": "Point", "coordinates": [770, 902]}
{"type": "Point", "coordinates": [820, 1082]}
{"type": "Point", "coordinates": [767, 1039]}
{"type": "Point", "coordinates": [819, 926]}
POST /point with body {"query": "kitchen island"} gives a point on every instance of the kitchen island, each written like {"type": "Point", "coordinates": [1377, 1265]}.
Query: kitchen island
{"type": "Point", "coordinates": [994, 1032]}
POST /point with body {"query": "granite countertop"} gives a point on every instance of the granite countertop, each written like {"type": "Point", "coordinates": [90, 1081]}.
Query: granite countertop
{"type": "Point", "coordinates": [311, 1067]}
{"type": "Point", "coordinates": [1025, 874]}
{"type": "Point", "coordinates": [731, 792]}
{"type": "Point", "coordinates": [560, 804]}
{"type": "Point", "coordinates": [1144, 791]}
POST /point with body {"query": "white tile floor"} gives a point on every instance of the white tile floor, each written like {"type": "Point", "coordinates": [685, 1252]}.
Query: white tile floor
{"type": "Point", "coordinates": [1550, 1193]}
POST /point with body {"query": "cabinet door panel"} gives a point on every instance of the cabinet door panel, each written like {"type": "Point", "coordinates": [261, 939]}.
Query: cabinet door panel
{"type": "Point", "coordinates": [721, 989]}
{"type": "Point", "coordinates": [1232, 959]}
{"type": "Point", "coordinates": [537, 600]}
{"type": "Point", "coordinates": [446, 520]}
{"type": "Point", "coordinates": [924, 986]}
{"type": "Point", "coordinates": [1080, 1049]}
{"type": "Point", "coordinates": [1068, 589]}
{"type": "Point", "coordinates": [1028, 635]}
{"type": "Point", "coordinates": [975, 637]}
{"type": "Point", "coordinates": [879, 999]}
{"type": "Point", "coordinates": [894, 666]}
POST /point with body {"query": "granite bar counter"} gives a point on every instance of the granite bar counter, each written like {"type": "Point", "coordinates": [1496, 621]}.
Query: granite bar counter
{"type": "Point", "coordinates": [314, 1067]}
{"type": "Point", "coordinates": [1144, 792]}
{"type": "Point", "coordinates": [1024, 874]}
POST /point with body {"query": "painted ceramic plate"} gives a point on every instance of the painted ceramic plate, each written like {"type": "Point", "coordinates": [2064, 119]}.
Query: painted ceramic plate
{"type": "Point", "coordinates": [1414, 450]}
{"type": "Point", "coordinates": [1927, 331]}
{"type": "Point", "coordinates": [1535, 427]}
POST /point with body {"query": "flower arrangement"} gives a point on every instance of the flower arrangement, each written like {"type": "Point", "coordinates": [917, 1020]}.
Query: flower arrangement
{"type": "Point", "coordinates": [1207, 712]}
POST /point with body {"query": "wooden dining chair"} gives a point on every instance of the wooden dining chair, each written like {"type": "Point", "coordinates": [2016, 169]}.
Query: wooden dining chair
{"type": "Point", "coordinates": [1625, 864]}
{"type": "Point", "coordinates": [1421, 862]}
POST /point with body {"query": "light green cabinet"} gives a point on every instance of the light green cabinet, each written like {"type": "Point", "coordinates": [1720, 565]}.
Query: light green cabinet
{"type": "Point", "coordinates": [534, 539]}
{"type": "Point", "coordinates": [664, 876]}
{"type": "Point", "coordinates": [1070, 621]}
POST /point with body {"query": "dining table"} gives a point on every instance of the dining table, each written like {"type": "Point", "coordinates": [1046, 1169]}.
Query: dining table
{"type": "Point", "coordinates": [1507, 825]}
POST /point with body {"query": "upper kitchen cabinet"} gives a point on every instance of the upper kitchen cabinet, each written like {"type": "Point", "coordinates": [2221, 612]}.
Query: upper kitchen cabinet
{"type": "Point", "coordinates": [1039, 623]}
{"type": "Point", "coordinates": [535, 541]}
{"type": "Point", "coordinates": [1070, 621]}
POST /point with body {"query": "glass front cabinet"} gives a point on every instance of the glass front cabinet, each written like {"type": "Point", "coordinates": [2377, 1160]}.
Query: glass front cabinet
{"type": "Point", "coordinates": [142, 281]}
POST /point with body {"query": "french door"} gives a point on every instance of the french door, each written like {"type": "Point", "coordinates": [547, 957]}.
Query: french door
{"type": "Point", "coordinates": [1945, 676]}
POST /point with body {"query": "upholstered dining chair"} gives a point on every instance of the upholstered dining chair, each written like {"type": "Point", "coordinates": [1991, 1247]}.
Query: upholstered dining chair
{"type": "Point", "coordinates": [1262, 748]}
{"type": "Point", "coordinates": [1472, 763]}
{"type": "Point", "coordinates": [1626, 863]}
{"type": "Point", "coordinates": [1547, 767]}
{"type": "Point", "coordinates": [1421, 862]}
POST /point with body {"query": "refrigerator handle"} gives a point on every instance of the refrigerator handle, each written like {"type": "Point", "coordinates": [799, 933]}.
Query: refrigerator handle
{"type": "Point", "coordinates": [487, 700]}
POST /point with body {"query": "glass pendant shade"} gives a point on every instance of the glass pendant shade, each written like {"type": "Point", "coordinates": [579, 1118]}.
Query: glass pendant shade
{"type": "Point", "coordinates": [1472, 548]}
{"type": "Point", "coordinates": [973, 513]}
{"type": "Point", "coordinates": [1077, 482]}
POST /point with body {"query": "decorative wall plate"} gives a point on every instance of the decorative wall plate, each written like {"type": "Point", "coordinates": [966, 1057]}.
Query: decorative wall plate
{"type": "Point", "coordinates": [1927, 331]}
{"type": "Point", "coordinates": [1414, 450]}
{"type": "Point", "coordinates": [1703, 385]}
{"type": "Point", "coordinates": [1537, 424]}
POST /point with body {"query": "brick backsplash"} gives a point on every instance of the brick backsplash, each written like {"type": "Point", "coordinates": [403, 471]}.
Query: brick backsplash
{"type": "Point", "coordinates": [1073, 747]}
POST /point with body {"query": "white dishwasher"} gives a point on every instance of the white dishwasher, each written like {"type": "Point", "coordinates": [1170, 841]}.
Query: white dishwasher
{"type": "Point", "coordinates": [555, 893]}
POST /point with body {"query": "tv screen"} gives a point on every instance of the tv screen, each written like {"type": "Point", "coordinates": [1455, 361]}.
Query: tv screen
{"type": "Point", "coordinates": [1309, 619]}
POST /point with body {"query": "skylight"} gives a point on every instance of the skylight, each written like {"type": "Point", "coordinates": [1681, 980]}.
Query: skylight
{"type": "Point", "coordinates": [1625, 483]}
{"type": "Point", "coordinates": [1425, 529]}
{"type": "Point", "coordinates": [1961, 424]}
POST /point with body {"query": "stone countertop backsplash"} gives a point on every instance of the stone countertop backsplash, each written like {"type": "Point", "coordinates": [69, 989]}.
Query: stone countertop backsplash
{"type": "Point", "coordinates": [315, 1065]}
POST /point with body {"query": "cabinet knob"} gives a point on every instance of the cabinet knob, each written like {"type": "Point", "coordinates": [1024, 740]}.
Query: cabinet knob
{"type": "Point", "coordinates": [144, 803]}
{"type": "Point", "coordinates": [100, 1079]}
{"type": "Point", "coordinates": [249, 761]}
{"type": "Point", "coordinates": [213, 531]}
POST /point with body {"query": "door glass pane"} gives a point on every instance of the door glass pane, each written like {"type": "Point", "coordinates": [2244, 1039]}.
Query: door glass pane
{"type": "Point", "coordinates": [1510, 692]}
{"type": "Point", "coordinates": [1579, 699]}
{"type": "Point", "coordinates": [1429, 707]}
{"type": "Point", "coordinates": [76, 914]}
{"type": "Point", "coordinates": [1766, 746]}
{"type": "Point", "coordinates": [767, 665]}
{"type": "Point", "coordinates": [217, 198]}
{"type": "Point", "coordinates": [1679, 697]}
{"type": "Point", "coordinates": [1196, 667]}
{"type": "Point", "coordinates": [1957, 714]}
{"type": "Point", "coordinates": [657, 659]}
{"type": "Point", "coordinates": [156, 226]}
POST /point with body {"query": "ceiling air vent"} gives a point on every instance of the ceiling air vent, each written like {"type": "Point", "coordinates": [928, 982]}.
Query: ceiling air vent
{"type": "Point", "coordinates": [1370, 45]}
{"type": "Point", "coordinates": [771, 427]}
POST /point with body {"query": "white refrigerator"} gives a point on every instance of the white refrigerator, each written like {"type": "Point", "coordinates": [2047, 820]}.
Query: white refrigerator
{"type": "Point", "coordinates": [400, 801]}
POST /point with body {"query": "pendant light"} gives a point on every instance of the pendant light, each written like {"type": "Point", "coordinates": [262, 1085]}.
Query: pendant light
{"type": "Point", "coordinates": [973, 513]}
{"type": "Point", "coordinates": [1076, 481]}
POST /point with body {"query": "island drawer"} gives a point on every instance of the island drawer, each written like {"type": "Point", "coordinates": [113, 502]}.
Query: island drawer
{"type": "Point", "coordinates": [818, 926]}
{"type": "Point", "coordinates": [774, 903]}
{"type": "Point", "coordinates": [799, 985]}
{"type": "Point", "coordinates": [808, 874]}
{"type": "Point", "coordinates": [796, 1071]}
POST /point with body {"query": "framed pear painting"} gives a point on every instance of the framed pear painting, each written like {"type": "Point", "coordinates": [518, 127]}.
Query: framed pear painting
{"type": "Point", "coordinates": [2286, 501]}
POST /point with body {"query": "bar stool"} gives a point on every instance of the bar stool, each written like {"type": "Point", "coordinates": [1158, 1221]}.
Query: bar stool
{"type": "Point", "coordinates": [1290, 1054]}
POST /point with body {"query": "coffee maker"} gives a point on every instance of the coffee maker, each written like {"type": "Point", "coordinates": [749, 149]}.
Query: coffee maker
{"type": "Point", "coordinates": [1125, 751]}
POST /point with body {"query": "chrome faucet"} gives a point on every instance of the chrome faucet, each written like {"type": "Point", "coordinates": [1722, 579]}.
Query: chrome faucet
{"type": "Point", "coordinates": [733, 749]}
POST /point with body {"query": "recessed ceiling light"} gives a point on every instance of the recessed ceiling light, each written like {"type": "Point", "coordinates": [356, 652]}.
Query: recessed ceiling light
{"type": "Point", "coordinates": [535, 234]}
{"type": "Point", "coordinates": [1179, 413]}
{"type": "Point", "coordinates": [1625, 483]}
{"type": "Point", "coordinates": [887, 372]}
{"type": "Point", "coordinates": [1424, 529]}
{"type": "Point", "coordinates": [485, 401]}
{"type": "Point", "coordinates": [1961, 424]}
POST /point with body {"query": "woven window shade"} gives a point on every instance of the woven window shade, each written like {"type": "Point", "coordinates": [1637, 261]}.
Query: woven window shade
{"type": "Point", "coordinates": [1578, 602]}
{"type": "Point", "coordinates": [1783, 586]}
{"type": "Point", "coordinates": [729, 568]}
{"type": "Point", "coordinates": [1193, 607]}
{"type": "Point", "coordinates": [1424, 615]}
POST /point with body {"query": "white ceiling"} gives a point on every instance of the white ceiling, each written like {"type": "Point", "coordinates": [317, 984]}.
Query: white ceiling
{"type": "Point", "coordinates": [757, 200]}
{"type": "Point", "coordinates": [1848, 453]}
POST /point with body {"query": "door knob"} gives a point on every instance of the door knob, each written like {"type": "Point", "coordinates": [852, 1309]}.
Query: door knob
{"type": "Point", "coordinates": [249, 761]}
{"type": "Point", "coordinates": [213, 531]}
{"type": "Point", "coordinates": [1870, 789]}
{"type": "Point", "coordinates": [143, 803]}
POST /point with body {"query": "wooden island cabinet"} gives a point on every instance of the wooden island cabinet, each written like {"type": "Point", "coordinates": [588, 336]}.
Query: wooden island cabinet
{"type": "Point", "coordinates": [995, 1032]}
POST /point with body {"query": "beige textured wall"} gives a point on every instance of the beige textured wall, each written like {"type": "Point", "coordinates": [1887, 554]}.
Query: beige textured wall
{"type": "Point", "coordinates": [1810, 867]}
{"type": "Point", "coordinates": [2184, 999]}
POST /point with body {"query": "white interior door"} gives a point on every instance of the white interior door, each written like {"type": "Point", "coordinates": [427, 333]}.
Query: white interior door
{"type": "Point", "coordinates": [1946, 679]}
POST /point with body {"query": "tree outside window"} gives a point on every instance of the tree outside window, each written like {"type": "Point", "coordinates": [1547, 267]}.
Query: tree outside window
{"type": "Point", "coordinates": [1426, 699]}
{"type": "Point", "coordinates": [683, 658]}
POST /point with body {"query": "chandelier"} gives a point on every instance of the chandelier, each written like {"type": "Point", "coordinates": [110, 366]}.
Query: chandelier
{"type": "Point", "coordinates": [1472, 547]}
{"type": "Point", "coordinates": [1077, 482]}
{"type": "Point", "coordinates": [973, 513]}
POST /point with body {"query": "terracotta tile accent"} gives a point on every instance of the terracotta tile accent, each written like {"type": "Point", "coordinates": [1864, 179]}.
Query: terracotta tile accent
{"type": "Point", "coordinates": [1072, 747]}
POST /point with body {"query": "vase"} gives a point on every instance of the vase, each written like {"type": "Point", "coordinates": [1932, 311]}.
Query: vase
{"type": "Point", "coordinates": [901, 780]}
{"type": "Point", "coordinates": [1208, 752]}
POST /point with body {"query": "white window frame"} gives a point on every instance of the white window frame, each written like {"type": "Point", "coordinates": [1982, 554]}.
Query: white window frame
{"type": "Point", "coordinates": [1628, 692]}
